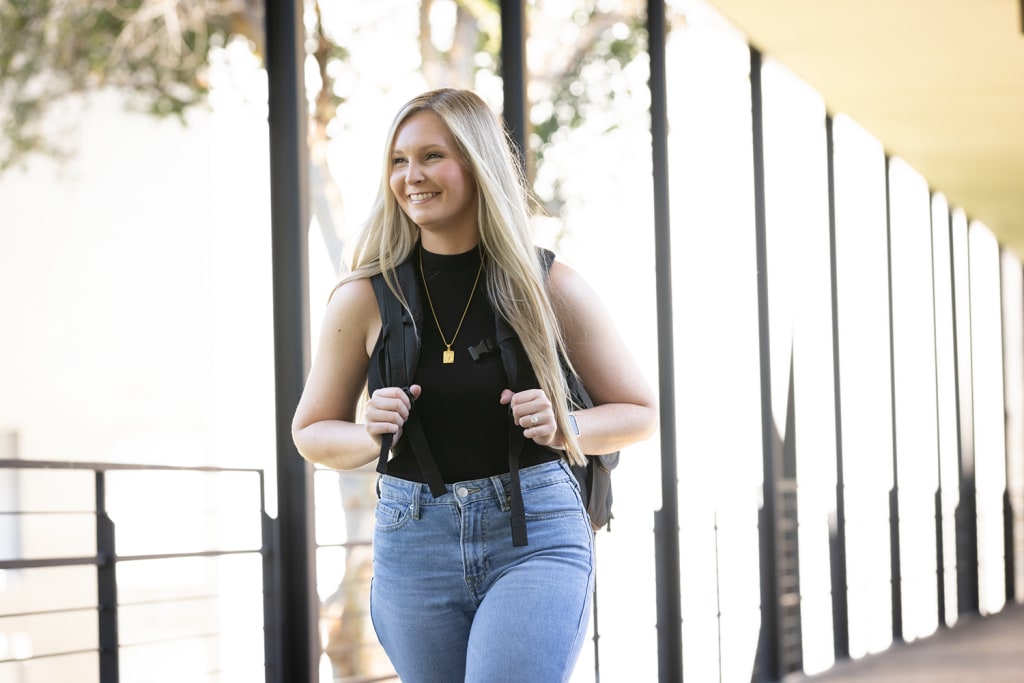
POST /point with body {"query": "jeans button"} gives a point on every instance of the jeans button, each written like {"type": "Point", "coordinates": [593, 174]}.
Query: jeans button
{"type": "Point", "coordinates": [462, 492]}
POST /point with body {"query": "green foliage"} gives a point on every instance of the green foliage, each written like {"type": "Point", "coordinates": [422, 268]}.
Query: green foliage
{"type": "Point", "coordinates": [52, 50]}
{"type": "Point", "coordinates": [589, 84]}
{"type": "Point", "coordinates": [158, 53]}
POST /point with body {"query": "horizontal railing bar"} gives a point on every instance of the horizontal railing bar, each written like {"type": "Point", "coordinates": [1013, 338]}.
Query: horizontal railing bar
{"type": "Point", "coordinates": [100, 561]}
{"type": "Point", "coordinates": [176, 556]}
{"type": "Point", "coordinates": [43, 563]}
{"type": "Point", "coordinates": [170, 599]}
{"type": "Point", "coordinates": [177, 639]}
{"type": "Point", "coordinates": [20, 513]}
{"type": "Point", "coordinates": [48, 655]}
{"type": "Point", "coordinates": [346, 544]}
{"type": "Point", "coordinates": [114, 466]}
{"type": "Point", "coordinates": [49, 612]}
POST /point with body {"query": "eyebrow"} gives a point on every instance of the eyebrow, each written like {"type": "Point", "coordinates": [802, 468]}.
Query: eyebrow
{"type": "Point", "coordinates": [429, 145]}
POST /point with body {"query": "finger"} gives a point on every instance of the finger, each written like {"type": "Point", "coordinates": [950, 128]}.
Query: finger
{"type": "Point", "coordinates": [543, 419]}
{"type": "Point", "coordinates": [543, 433]}
{"type": "Point", "coordinates": [529, 401]}
{"type": "Point", "coordinates": [387, 410]}
{"type": "Point", "coordinates": [388, 393]}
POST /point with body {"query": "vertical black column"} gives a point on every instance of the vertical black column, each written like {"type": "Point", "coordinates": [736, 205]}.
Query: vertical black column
{"type": "Point", "coordinates": [106, 584]}
{"type": "Point", "coordinates": [837, 530]}
{"type": "Point", "coordinates": [1009, 550]}
{"type": "Point", "coordinates": [767, 666]}
{"type": "Point", "coordinates": [666, 520]}
{"type": "Point", "coordinates": [940, 555]}
{"type": "Point", "coordinates": [967, 508]}
{"type": "Point", "coordinates": [513, 74]}
{"type": "Point", "coordinates": [895, 569]}
{"type": "Point", "coordinates": [296, 633]}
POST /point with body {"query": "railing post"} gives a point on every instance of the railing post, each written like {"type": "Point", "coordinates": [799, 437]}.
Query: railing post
{"type": "Point", "coordinates": [895, 565]}
{"type": "Point", "coordinates": [106, 586]}
{"type": "Point", "coordinates": [837, 531]}
{"type": "Point", "coordinates": [297, 606]}
{"type": "Point", "coordinates": [668, 588]}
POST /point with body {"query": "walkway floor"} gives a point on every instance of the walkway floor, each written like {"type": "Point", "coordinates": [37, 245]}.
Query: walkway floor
{"type": "Point", "coordinates": [977, 649]}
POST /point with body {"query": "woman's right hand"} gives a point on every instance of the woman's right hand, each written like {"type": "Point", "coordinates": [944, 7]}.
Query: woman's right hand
{"type": "Point", "coordinates": [387, 411]}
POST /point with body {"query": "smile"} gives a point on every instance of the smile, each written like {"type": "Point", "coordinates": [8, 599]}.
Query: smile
{"type": "Point", "coordinates": [422, 196]}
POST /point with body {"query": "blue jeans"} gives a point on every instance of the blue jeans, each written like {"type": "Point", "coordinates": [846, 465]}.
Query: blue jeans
{"type": "Point", "coordinates": [453, 600]}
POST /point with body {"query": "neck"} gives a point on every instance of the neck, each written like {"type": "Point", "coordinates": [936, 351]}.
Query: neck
{"type": "Point", "coordinates": [448, 244]}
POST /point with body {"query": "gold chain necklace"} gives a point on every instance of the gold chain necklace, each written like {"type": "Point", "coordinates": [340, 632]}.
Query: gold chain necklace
{"type": "Point", "coordinates": [448, 356]}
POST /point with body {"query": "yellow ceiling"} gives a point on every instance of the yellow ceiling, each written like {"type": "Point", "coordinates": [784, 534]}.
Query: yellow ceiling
{"type": "Point", "coordinates": [939, 82]}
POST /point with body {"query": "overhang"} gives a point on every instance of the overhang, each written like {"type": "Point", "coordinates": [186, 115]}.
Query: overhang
{"type": "Point", "coordinates": [939, 82]}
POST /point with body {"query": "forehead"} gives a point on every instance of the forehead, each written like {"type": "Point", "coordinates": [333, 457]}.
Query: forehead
{"type": "Point", "coordinates": [422, 129]}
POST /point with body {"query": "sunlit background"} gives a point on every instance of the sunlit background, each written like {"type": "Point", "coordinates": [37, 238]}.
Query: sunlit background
{"type": "Point", "coordinates": [137, 328]}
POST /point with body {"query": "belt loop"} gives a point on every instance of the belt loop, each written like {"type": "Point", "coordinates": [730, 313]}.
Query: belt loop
{"type": "Point", "coordinates": [416, 488]}
{"type": "Point", "coordinates": [502, 495]}
{"type": "Point", "coordinates": [376, 485]}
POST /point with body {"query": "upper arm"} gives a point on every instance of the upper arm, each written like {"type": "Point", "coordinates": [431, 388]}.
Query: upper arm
{"type": "Point", "coordinates": [337, 377]}
{"type": "Point", "coordinates": [597, 351]}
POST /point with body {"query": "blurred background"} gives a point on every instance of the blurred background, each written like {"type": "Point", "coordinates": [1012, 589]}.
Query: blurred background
{"type": "Point", "coordinates": [844, 406]}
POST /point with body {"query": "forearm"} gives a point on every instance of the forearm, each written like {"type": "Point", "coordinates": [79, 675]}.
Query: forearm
{"type": "Point", "coordinates": [613, 426]}
{"type": "Point", "coordinates": [336, 444]}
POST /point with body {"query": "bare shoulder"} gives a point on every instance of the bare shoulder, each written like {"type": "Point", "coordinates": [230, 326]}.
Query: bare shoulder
{"type": "Point", "coordinates": [352, 312]}
{"type": "Point", "coordinates": [564, 281]}
{"type": "Point", "coordinates": [571, 295]}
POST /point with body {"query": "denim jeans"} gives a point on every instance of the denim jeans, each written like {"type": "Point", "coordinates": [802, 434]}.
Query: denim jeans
{"type": "Point", "coordinates": [453, 600]}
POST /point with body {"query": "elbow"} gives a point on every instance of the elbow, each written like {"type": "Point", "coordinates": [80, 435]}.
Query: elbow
{"type": "Point", "coordinates": [648, 419]}
{"type": "Point", "coordinates": [650, 423]}
{"type": "Point", "coordinates": [300, 438]}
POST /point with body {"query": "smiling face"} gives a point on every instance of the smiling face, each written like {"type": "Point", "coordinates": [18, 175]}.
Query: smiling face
{"type": "Point", "coordinates": [432, 185]}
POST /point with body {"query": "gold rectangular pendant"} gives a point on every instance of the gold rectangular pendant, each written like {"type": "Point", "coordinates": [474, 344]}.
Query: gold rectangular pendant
{"type": "Point", "coordinates": [448, 357]}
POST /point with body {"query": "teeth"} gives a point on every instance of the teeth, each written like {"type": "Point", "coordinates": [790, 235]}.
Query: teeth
{"type": "Point", "coordinates": [420, 196]}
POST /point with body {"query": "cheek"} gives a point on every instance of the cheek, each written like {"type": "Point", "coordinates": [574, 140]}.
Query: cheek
{"type": "Point", "coordinates": [397, 186]}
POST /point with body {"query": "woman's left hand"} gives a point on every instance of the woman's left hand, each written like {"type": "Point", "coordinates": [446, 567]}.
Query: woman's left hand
{"type": "Point", "coordinates": [531, 410]}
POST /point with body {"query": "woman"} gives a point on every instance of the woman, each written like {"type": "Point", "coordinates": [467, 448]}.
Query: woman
{"type": "Point", "coordinates": [452, 597]}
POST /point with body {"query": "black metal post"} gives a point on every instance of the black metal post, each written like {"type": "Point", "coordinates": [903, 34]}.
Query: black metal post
{"type": "Point", "coordinates": [940, 555]}
{"type": "Point", "coordinates": [513, 74]}
{"type": "Point", "coordinates": [666, 520]}
{"type": "Point", "coordinates": [837, 534]}
{"type": "Point", "coordinates": [106, 585]}
{"type": "Point", "coordinates": [1009, 550]}
{"type": "Point", "coordinates": [967, 508]}
{"type": "Point", "coordinates": [895, 569]}
{"type": "Point", "coordinates": [297, 602]}
{"type": "Point", "coordinates": [767, 666]}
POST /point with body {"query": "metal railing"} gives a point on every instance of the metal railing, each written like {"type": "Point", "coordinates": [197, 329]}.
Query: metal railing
{"type": "Point", "coordinates": [106, 560]}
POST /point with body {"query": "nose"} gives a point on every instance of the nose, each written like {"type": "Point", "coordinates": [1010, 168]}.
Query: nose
{"type": "Point", "coordinates": [413, 173]}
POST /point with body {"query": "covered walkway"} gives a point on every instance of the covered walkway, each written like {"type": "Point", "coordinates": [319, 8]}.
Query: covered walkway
{"type": "Point", "coordinates": [978, 649]}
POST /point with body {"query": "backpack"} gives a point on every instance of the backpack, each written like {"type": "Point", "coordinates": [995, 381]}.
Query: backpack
{"type": "Point", "coordinates": [397, 363]}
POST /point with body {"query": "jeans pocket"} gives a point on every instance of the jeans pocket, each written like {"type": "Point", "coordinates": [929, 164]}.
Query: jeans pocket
{"type": "Point", "coordinates": [391, 515]}
{"type": "Point", "coordinates": [559, 499]}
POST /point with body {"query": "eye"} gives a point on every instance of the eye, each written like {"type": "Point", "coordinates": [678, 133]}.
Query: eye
{"type": "Point", "coordinates": [435, 155]}
{"type": "Point", "coordinates": [398, 160]}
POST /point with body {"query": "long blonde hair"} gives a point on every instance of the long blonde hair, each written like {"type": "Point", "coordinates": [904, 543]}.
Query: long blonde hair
{"type": "Point", "coordinates": [515, 283]}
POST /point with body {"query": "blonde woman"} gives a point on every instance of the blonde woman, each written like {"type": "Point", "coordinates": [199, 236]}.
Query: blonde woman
{"type": "Point", "coordinates": [454, 596]}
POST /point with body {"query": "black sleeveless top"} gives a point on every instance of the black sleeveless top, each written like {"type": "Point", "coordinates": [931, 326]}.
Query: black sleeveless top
{"type": "Point", "coordinates": [463, 420]}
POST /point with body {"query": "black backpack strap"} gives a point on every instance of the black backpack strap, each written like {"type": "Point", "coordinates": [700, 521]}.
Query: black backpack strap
{"type": "Point", "coordinates": [510, 348]}
{"type": "Point", "coordinates": [400, 355]}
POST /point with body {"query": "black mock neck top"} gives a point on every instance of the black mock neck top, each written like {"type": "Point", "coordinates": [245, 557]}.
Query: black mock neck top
{"type": "Point", "coordinates": [464, 423]}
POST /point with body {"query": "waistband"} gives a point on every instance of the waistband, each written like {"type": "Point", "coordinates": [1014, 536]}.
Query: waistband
{"type": "Point", "coordinates": [497, 487]}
